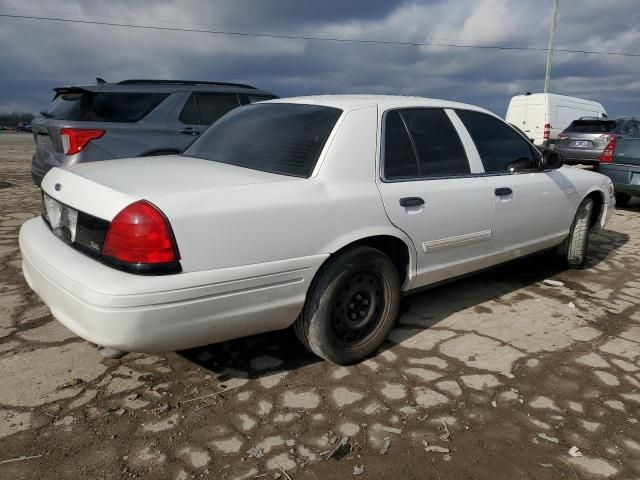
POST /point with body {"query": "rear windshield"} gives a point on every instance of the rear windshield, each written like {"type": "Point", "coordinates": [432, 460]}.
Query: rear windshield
{"type": "Point", "coordinates": [282, 138]}
{"type": "Point", "coordinates": [591, 126]}
{"type": "Point", "coordinates": [103, 106]}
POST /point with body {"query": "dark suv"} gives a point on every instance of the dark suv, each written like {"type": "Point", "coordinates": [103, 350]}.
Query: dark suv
{"type": "Point", "coordinates": [131, 118]}
{"type": "Point", "coordinates": [587, 139]}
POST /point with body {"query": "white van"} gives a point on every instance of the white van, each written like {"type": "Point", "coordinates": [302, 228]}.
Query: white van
{"type": "Point", "coordinates": [543, 116]}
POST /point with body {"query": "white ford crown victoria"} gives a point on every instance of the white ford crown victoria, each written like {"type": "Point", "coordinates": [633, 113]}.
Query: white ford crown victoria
{"type": "Point", "coordinates": [317, 212]}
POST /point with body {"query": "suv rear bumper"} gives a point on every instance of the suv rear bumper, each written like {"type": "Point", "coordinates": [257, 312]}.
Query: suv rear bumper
{"type": "Point", "coordinates": [623, 177]}
{"type": "Point", "coordinates": [148, 314]}
{"type": "Point", "coordinates": [579, 155]}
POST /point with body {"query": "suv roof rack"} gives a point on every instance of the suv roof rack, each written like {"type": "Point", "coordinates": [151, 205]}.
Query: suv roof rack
{"type": "Point", "coordinates": [590, 118]}
{"type": "Point", "coordinates": [182, 82]}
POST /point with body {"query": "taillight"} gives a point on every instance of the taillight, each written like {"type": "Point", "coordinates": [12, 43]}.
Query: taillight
{"type": "Point", "coordinates": [75, 139]}
{"type": "Point", "coordinates": [563, 136]}
{"type": "Point", "coordinates": [607, 154]}
{"type": "Point", "coordinates": [140, 236]}
{"type": "Point", "coordinates": [547, 131]}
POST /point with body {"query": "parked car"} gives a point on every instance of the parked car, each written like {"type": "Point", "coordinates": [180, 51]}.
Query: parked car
{"type": "Point", "coordinates": [543, 116]}
{"type": "Point", "coordinates": [132, 118]}
{"type": "Point", "coordinates": [317, 212]}
{"type": "Point", "coordinates": [586, 140]}
{"type": "Point", "coordinates": [621, 163]}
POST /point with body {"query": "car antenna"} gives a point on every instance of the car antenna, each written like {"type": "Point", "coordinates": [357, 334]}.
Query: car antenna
{"type": "Point", "coordinates": [100, 80]}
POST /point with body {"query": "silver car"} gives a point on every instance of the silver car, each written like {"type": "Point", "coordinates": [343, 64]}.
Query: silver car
{"type": "Point", "coordinates": [132, 118]}
{"type": "Point", "coordinates": [586, 140]}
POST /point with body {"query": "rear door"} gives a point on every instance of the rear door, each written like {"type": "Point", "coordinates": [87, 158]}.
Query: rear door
{"type": "Point", "coordinates": [199, 111]}
{"type": "Point", "coordinates": [430, 192]}
{"type": "Point", "coordinates": [530, 206]}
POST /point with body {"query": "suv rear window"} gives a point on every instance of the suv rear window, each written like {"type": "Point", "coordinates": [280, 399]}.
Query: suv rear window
{"type": "Point", "coordinates": [591, 126]}
{"type": "Point", "coordinates": [103, 106]}
{"type": "Point", "coordinates": [283, 138]}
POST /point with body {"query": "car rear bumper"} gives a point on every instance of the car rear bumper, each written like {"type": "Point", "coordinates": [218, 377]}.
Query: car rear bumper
{"type": "Point", "coordinates": [148, 314]}
{"type": "Point", "coordinates": [625, 178]}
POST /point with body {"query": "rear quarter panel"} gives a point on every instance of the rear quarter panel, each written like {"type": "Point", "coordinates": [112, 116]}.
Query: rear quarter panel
{"type": "Point", "coordinates": [250, 224]}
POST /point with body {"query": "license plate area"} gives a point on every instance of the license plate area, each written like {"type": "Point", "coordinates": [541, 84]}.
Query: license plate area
{"type": "Point", "coordinates": [581, 143]}
{"type": "Point", "coordinates": [62, 219]}
{"type": "Point", "coordinates": [635, 179]}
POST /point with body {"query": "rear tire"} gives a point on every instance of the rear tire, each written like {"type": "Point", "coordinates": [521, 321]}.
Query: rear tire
{"type": "Point", "coordinates": [622, 199]}
{"type": "Point", "coordinates": [575, 247]}
{"type": "Point", "coordinates": [351, 306]}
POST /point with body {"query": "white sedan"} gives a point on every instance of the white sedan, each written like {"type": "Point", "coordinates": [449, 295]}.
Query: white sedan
{"type": "Point", "coordinates": [317, 212]}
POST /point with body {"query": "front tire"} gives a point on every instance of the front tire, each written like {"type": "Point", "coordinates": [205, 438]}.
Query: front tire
{"type": "Point", "coordinates": [351, 306]}
{"type": "Point", "coordinates": [575, 247]}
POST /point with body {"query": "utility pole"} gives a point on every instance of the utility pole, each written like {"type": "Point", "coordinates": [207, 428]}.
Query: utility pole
{"type": "Point", "coordinates": [552, 41]}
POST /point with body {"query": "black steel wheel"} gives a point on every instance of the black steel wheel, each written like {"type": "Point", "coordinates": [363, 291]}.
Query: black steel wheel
{"type": "Point", "coordinates": [351, 306]}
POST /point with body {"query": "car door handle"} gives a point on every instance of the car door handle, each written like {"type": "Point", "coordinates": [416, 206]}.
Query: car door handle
{"type": "Point", "coordinates": [189, 131]}
{"type": "Point", "coordinates": [501, 192]}
{"type": "Point", "coordinates": [411, 201]}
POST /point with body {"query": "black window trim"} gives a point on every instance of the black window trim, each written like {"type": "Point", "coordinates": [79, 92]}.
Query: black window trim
{"type": "Point", "coordinates": [420, 177]}
{"type": "Point", "coordinates": [193, 95]}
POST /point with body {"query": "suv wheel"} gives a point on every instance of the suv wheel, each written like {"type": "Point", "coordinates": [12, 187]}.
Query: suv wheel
{"type": "Point", "coordinates": [351, 306]}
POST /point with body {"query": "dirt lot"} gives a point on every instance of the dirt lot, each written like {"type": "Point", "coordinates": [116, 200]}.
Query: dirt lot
{"type": "Point", "coordinates": [501, 371]}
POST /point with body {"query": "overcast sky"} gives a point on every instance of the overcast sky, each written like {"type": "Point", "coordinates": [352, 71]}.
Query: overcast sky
{"type": "Point", "coordinates": [36, 56]}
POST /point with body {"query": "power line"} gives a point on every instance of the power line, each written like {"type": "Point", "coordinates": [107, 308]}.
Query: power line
{"type": "Point", "coordinates": [318, 38]}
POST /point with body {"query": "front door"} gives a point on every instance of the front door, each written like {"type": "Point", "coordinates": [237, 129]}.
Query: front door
{"type": "Point", "coordinates": [429, 191]}
{"type": "Point", "coordinates": [531, 210]}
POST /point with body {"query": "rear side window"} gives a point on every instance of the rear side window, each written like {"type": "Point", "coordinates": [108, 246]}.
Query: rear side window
{"type": "Point", "coordinates": [103, 107]}
{"type": "Point", "coordinates": [438, 147]}
{"type": "Point", "coordinates": [273, 137]}
{"type": "Point", "coordinates": [399, 157]}
{"type": "Point", "coordinates": [591, 126]}
{"type": "Point", "coordinates": [422, 143]}
{"type": "Point", "coordinates": [206, 108]}
{"type": "Point", "coordinates": [500, 146]}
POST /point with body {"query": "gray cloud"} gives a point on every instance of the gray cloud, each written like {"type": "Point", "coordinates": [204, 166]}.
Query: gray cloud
{"type": "Point", "coordinates": [42, 55]}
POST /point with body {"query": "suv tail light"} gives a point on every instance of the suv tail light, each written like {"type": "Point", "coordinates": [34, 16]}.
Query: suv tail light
{"type": "Point", "coordinates": [75, 139]}
{"type": "Point", "coordinates": [547, 131]}
{"type": "Point", "coordinates": [563, 136]}
{"type": "Point", "coordinates": [140, 239]}
{"type": "Point", "coordinates": [607, 154]}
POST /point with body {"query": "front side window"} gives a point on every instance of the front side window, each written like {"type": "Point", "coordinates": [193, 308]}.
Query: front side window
{"type": "Point", "coordinates": [501, 148]}
{"type": "Point", "coordinates": [283, 138]}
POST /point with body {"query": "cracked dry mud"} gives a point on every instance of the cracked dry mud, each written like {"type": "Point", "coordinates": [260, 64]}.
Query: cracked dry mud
{"type": "Point", "coordinates": [504, 372]}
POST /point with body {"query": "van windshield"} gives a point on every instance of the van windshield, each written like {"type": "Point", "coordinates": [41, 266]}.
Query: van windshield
{"type": "Point", "coordinates": [283, 138]}
{"type": "Point", "coordinates": [591, 126]}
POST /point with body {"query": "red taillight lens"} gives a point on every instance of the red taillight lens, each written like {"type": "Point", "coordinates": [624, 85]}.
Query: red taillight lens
{"type": "Point", "coordinates": [607, 153]}
{"type": "Point", "coordinates": [75, 139]}
{"type": "Point", "coordinates": [563, 136]}
{"type": "Point", "coordinates": [547, 131]}
{"type": "Point", "coordinates": [140, 234]}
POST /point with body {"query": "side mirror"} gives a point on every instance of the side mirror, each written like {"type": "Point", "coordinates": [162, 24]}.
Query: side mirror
{"type": "Point", "coordinates": [552, 160]}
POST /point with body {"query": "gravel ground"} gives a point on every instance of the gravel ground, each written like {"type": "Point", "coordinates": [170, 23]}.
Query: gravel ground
{"type": "Point", "coordinates": [494, 376]}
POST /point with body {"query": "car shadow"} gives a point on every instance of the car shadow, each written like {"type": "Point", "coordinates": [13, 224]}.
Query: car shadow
{"type": "Point", "coordinates": [267, 354]}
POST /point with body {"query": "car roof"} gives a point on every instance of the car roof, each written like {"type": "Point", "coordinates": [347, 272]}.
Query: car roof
{"type": "Point", "coordinates": [384, 102]}
{"type": "Point", "coordinates": [171, 86]}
